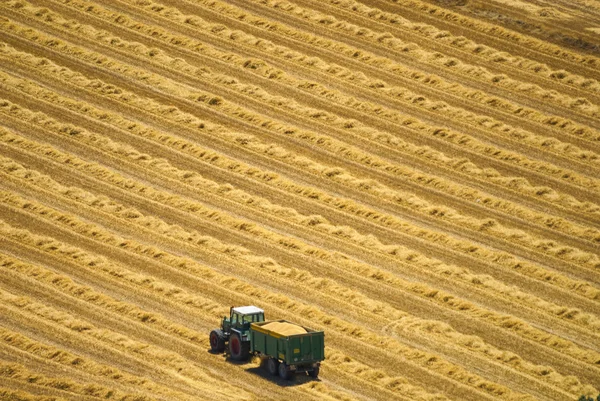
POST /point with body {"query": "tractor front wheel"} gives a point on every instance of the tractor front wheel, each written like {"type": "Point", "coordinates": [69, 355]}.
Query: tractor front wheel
{"type": "Point", "coordinates": [217, 341]}
{"type": "Point", "coordinates": [238, 350]}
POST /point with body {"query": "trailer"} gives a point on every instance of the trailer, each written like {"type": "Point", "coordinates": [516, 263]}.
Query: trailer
{"type": "Point", "coordinates": [285, 347]}
{"type": "Point", "coordinates": [288, 353]}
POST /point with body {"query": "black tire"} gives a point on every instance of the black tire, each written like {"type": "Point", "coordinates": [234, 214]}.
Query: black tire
{"type": "Point", "coordinates": [315, 372]}
{"type": "Point", "coordinates": [217, 341]}
{"type": "Point", "coordinates": [272, 366]}
{"type": "Point", "coordinates": [238, 349]}
{"type": "Point", "coordinates": [284, 371]}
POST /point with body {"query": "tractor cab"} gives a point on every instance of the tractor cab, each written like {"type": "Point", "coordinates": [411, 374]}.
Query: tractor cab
{"type": "Point", "coordinates": [234, 331]}
{"type": "Point", "coordinates": [240, 318]}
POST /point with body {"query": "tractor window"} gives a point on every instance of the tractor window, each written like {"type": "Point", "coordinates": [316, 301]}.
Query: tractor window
{"type": "Point", "coordinates": [260, 317]}
{"type": "Point", "coordinates": [247, 319]}
{"type": "Point", "coordinates": [234, 319]}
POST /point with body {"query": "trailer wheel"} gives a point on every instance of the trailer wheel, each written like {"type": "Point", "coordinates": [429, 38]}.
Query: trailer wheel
{"type": "Point", "coordinates": [272, 365]}
{"type": "Point", "coordinates": [238, 350]}
{"type": "Point", "coordinates": [217, 341]}
{"type": "Point", "coordinates": [284, 371]}
{"type": "Point", "coordinates": [315, 372]}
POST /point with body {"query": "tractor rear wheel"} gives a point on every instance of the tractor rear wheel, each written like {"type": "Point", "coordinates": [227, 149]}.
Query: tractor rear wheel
{"type": "Point", "coordinates": [272, 365]}
{"type": "Point", "coordinates": [239, 350]}
{"type": "Point", "coordinates": [284, 371]}
{"type": "Point", "coordinates": [217, 341]}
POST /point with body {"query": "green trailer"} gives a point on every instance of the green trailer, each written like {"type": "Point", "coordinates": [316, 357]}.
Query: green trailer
{"type": "Point", "coordinates": [288, 353]}
{"type": "Point", "coordinates": [287, 347]}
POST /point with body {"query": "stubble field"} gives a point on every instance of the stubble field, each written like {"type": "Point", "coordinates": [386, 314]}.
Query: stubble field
{"type": "Point", "coordinates": [418, 178]}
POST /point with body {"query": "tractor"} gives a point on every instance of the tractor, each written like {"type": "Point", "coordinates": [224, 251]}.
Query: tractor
{"type": "Point", "coordinates": [234, 332]}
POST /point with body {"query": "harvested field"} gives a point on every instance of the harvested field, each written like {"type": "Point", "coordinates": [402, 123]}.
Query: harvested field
{"type": "Point", "coordinates": [419, 179]}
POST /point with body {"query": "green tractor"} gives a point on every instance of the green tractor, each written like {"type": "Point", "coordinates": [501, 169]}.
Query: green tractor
{"type": "Point", "coordinates": [234, 332]}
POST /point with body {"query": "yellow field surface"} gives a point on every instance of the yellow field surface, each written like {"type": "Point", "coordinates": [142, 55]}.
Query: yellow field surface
{"type": "Point", "coordinates": [420, 179]}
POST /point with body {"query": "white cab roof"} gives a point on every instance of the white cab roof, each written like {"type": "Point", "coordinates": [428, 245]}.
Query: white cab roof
{"type": "Point", "coordinates": [248, 310]}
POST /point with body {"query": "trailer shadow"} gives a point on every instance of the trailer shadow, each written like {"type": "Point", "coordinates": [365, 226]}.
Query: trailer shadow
{"type": "Point", "coordinates": [261, 370]}
{"type": "Point", "coordinates": [296, 379]}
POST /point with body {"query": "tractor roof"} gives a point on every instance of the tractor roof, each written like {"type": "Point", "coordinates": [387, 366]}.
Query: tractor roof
{"type": "Point", "coordinates": [247, 310]}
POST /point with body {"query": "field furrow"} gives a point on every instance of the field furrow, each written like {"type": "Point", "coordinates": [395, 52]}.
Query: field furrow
{"type": "Point", "coordinates": [419, 179]}
{"type": "Point", "coordinates": [460, 47]}
{"type": "Point", "coordinates": [560, 250]}
{"type": "Point", "coordinates": [544, 191]}
{"type": "Point", "coordinates": [177, 143]}
{"type": "Point", "coordinates": [156, 320]}
{"type": "Point", "coordinates": [176, 297]}
{"type": "Point", "coordinates": [15, 110]}
{"type": "Point", "coordinates": [70, 330]}
{"type": "Point", "coordinates": [45, 358]}
{"type": "Point", "coordinates": [51, 245]}
{"type": "Point", "coordinates": [18, 376]}
{"type": "Point", "coordinates": [282, 29]}
{"type": "Point", "coordinates": [546, 143]}
{"type": "Point", "coordinates": [551, 24]}
{"type": "Point", "coordinates": [29, 395]}
{"type": "Point", "coordinates": [313, 66]}
{"type": "Point", "coordinates": [96, 187]}
{"type": "Point", "coordinates": [199, 183]}
{"type": "Point", "coordinates": [377, 40]}
{"type": "Point", "coordinates": [14, 390]}
{"type": "Point", "coordinates": [579, 9]}
{"type": "Point", "coordinates": [449, 162]}
{"type": "Point", "coordinates": [497, 36]}
{"type": "Point", "coordinates": [223, 291]}
{"type": "Point", "coordinates": [159, 16]}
